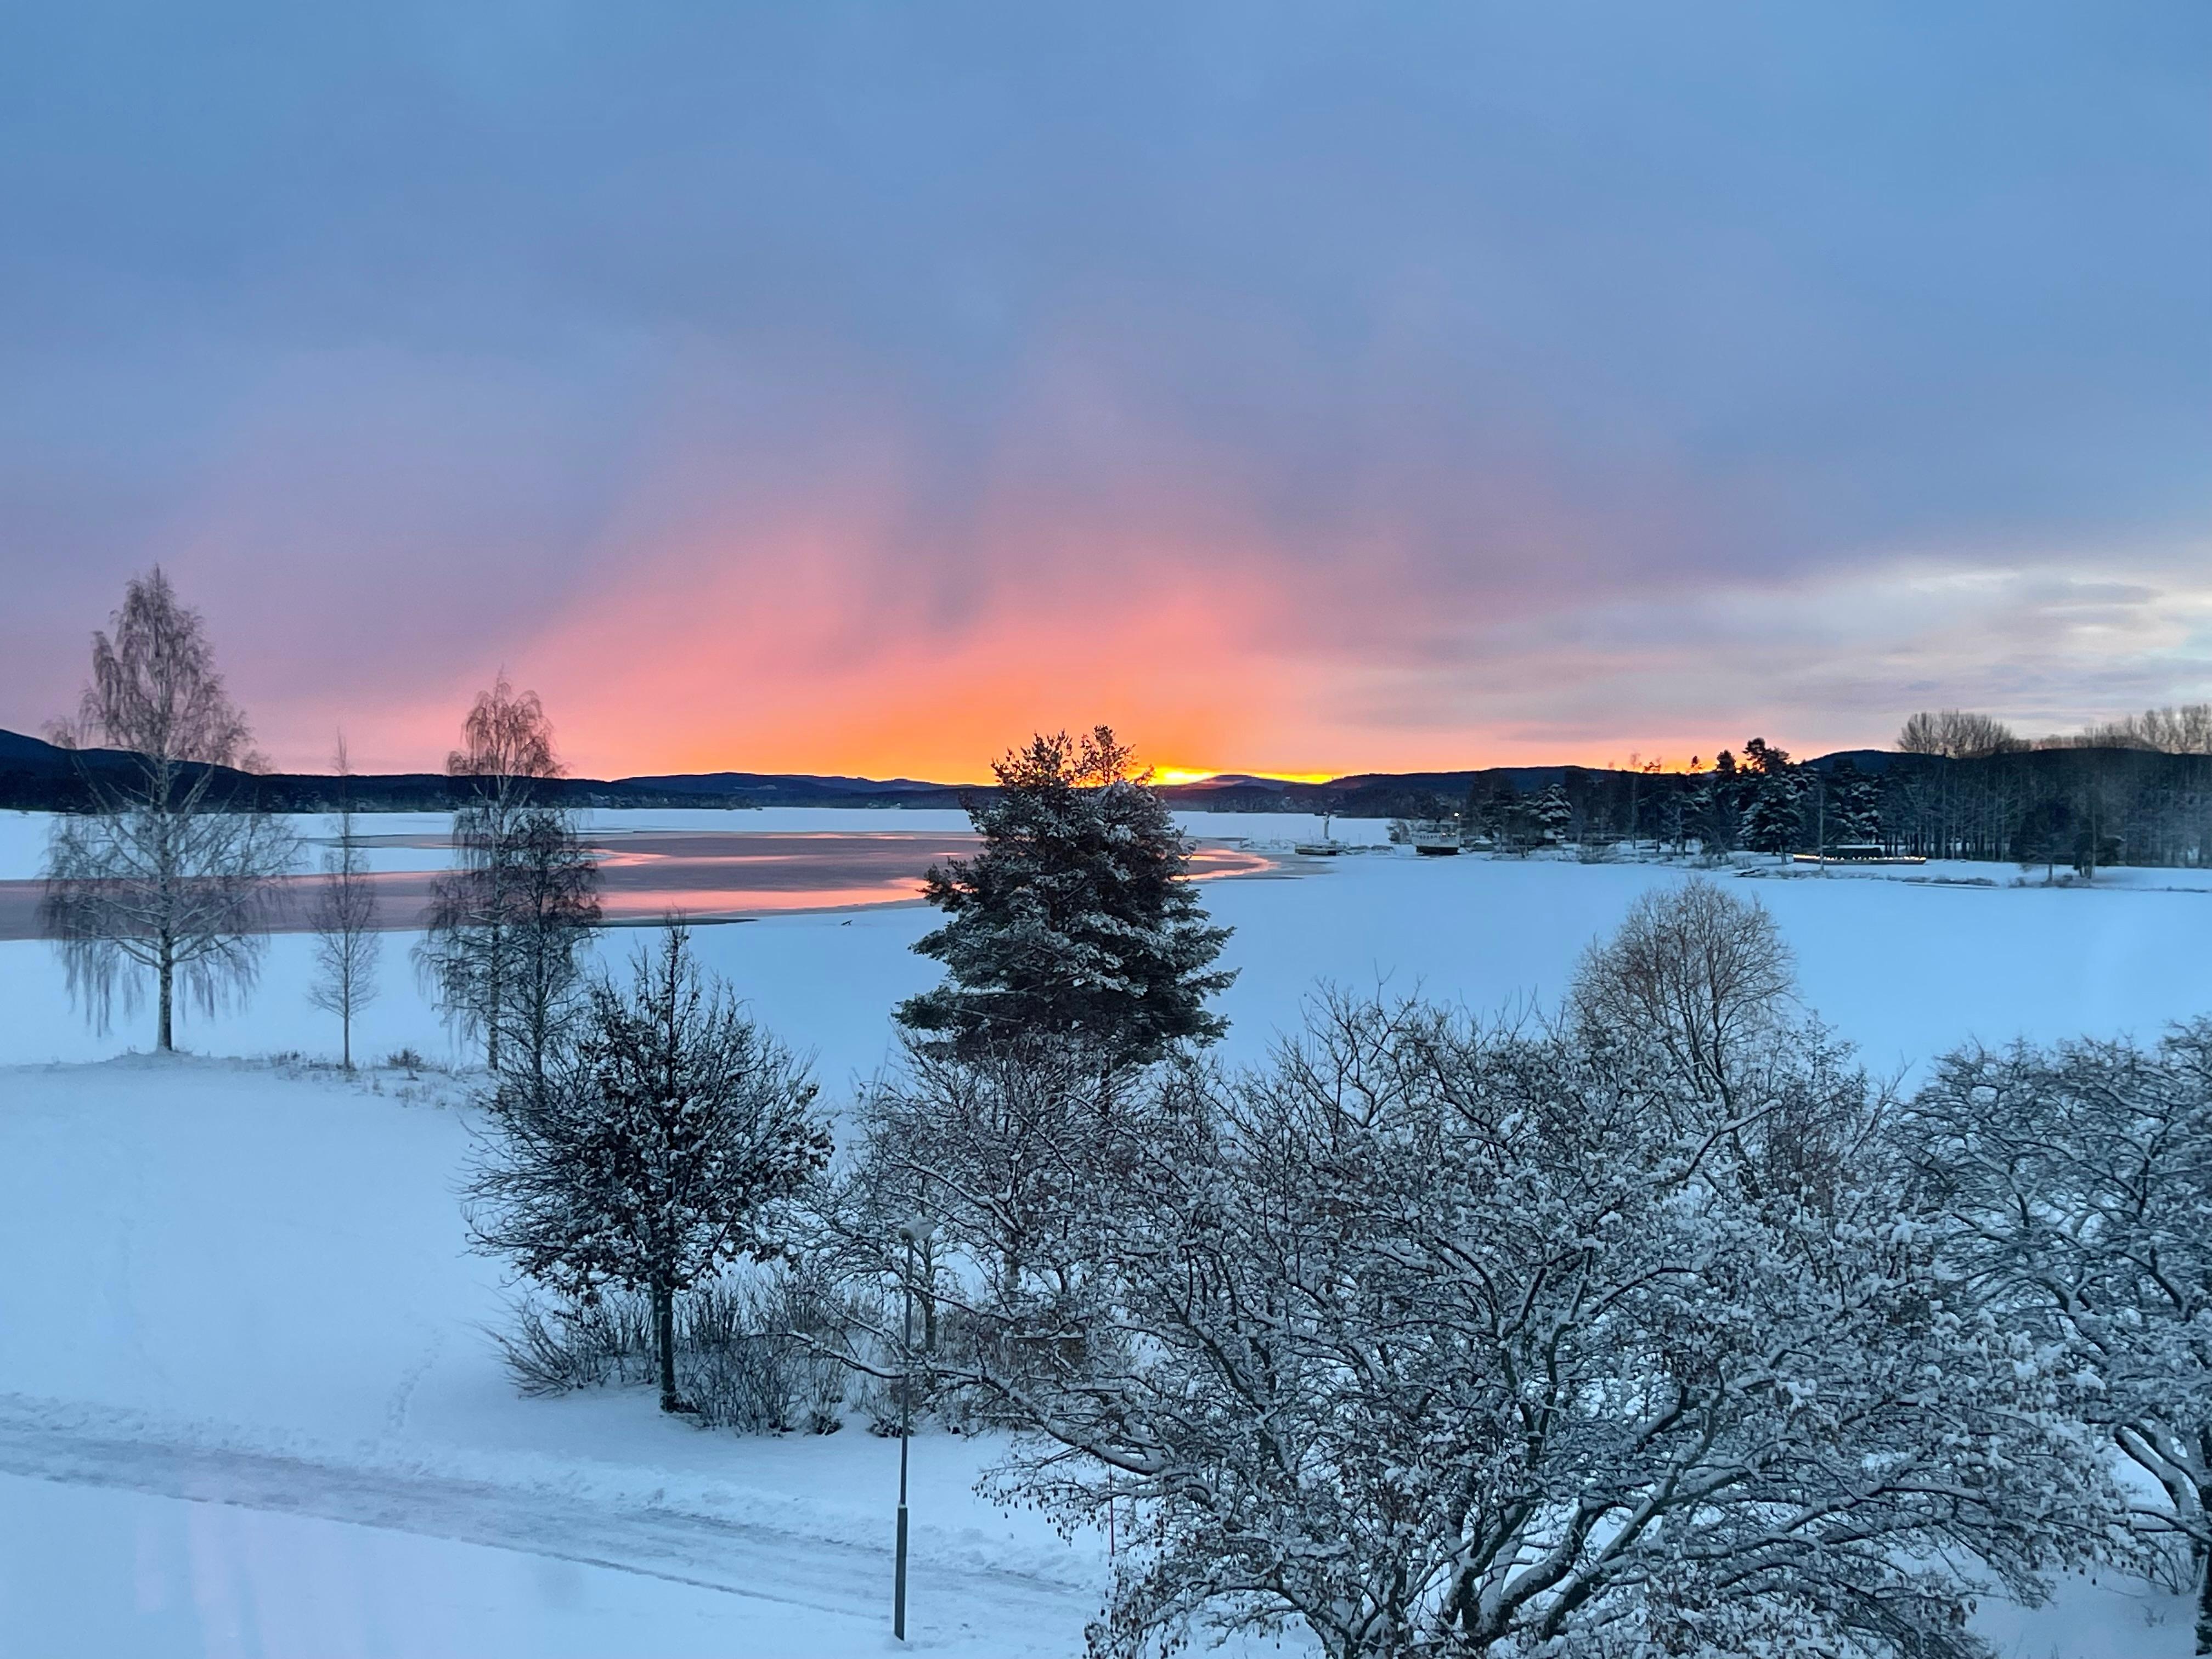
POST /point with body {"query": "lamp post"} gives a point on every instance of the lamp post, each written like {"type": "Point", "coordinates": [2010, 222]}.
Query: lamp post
{"type": "Point", "coordinates": [908, 1232]}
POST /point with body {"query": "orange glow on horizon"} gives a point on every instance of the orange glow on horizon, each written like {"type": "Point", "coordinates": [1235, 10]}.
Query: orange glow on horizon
{"type": "Point", "coordinates": [811, 641]}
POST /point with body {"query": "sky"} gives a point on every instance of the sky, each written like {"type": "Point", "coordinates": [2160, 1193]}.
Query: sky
{"type": "Point", "coordinates": [1297, 388]}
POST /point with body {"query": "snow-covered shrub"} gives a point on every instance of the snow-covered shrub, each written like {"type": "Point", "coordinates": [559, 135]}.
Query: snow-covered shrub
{"type": "Point", "coordinates": [1699, 975]}
{"type": "Point", "coordinates": [754, 1351]}
{"type": "Point", "coordinates": [553, 1350]}
{"type": "Point", "coordinates": [758, 1353]}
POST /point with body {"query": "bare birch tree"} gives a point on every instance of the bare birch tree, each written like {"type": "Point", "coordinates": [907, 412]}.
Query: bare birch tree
{"type": "Point", "coordinates": [505, 924]}
{"type": "Point", "coordinates": [167, 874]}
{"type": "Point", "coordinates": [345, 924]}
{"type": "Point", "coordinates": [1704, 975]}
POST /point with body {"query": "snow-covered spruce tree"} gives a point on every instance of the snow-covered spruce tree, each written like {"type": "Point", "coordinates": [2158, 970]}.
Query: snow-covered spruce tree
{"type": "Point", "coordinates": [2074, 1184]}
{"type": "Point", "coordinates": [1711, 815]}
{"type": "Point", "coordinates": [652, 1148]}
{"type": "Point", "coordinates": [2043, 836]}
{"type": "Point", "coordinates": [1445, 1339]}
{"type": "Point", "coordinates": [1551, 813]}
{"type": "Point", "coordinates": [344, 921]}
{"type": "Point", "coordinates": [1077, 918]}
{"type": "Point", "coordinates": [166, 876]}
{"type": "Point", "coordinates": [1774, 812]}
{"type": "Point", "coordinates": [506, 924]}
{"type": "Point", "coordinates": [1854, 803]}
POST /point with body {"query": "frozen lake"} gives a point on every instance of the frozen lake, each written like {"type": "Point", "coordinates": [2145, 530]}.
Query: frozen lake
{"type": "Point", "coordinates": [646, 874]}
{"type": "Point", "coordinates": [1905, 963]}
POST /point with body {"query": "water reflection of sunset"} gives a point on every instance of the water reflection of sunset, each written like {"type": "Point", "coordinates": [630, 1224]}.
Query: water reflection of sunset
{"type": "Point", "coordinates": [709, 875]}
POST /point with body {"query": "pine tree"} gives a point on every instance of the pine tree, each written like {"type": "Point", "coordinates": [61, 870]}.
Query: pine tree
{"type": "Point", "coordinates": [1714, 807]}
{"type": "Point", "coordinates": [1077, 918]}
{"type": "Point", "coordinates": [652, 1149]}
{"type": "Point", "coordinates": [1552, 812]}
{"type": "Point", "coordinates": [1854, 805]}
{"type": "Point", "coordinates": [1776, 812]}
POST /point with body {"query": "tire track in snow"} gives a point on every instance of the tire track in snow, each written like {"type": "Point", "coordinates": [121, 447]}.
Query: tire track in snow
{"type": "Point", "coordinates": [48, 1441]}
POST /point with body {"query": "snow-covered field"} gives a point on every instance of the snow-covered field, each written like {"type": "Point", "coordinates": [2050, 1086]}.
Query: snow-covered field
{"type": "Point", "coordinates": [246, 1402]}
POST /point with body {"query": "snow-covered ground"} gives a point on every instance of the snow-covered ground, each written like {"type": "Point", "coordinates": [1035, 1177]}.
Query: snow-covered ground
{"type": "Point", "coordinates": [246, 1402]}
{"type": "Point", "coordinates": [240, 1290]}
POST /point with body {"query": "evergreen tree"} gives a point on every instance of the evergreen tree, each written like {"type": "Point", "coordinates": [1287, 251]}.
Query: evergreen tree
{"type": "Point", "coordinates": [652, 1149]}
{"type": "Point", "coordinates": [1854, 806]}
{"type": "Point", "coordinates": [1775, 791]}
{"type": "Point", "coordinates": [1552, 812]}
{"type": "Point", "coordinates": [1075, 920]}
{"type": "Point", "coordinates": [1715, 808]}
{"type": "Point", "coordinates": [2046, 835]}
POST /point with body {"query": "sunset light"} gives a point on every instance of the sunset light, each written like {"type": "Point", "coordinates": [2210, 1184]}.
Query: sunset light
{"type": "Point", "coordinates": [1172, 774]}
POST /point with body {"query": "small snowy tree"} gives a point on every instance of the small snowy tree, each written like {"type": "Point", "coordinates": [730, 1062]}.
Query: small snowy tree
{"type": "Point", "coordinates": [1077, 919]}
{"type": "Point", "coordinates": [344, 921]}
{"type": "Point", "coordinates": [654, 1147]}
{"type": "Point", "coordinates": [2074, 1185]}
{"type": "Point", "coordinates": [168, 875]}
{"type": "Point", "coordinates": [2045, 836]}
{"type": "Point", "coordinates": [551, 888]}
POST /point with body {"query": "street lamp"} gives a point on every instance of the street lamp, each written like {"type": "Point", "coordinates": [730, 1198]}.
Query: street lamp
{"type": "Point", "coordinates": [912, 1233]}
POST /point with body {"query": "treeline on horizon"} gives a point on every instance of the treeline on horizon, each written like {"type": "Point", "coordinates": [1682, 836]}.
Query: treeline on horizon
{"type": "Point", "coordinates": [1959, 785]}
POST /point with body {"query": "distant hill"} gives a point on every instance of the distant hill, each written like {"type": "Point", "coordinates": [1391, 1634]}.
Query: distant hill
{"type": "Point", "coordinates": [36, 775]}
{"type": "Point", "coordinates": [799, 789]}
